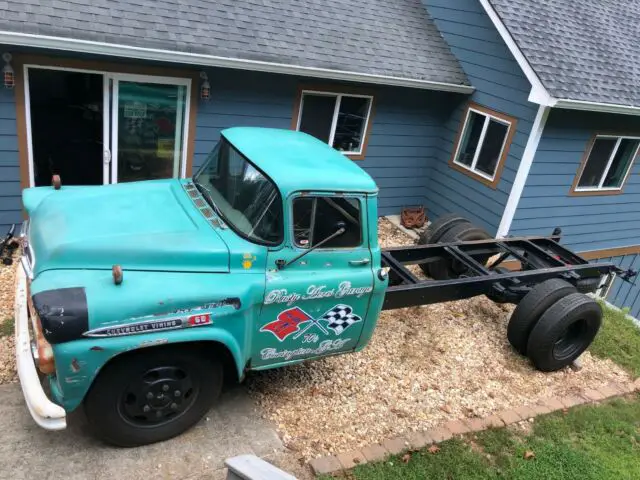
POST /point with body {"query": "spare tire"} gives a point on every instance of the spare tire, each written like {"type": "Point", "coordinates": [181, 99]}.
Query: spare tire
{"type": "Point", "coordinates": [449, 268]}
{"type": "Point", "coordinates": [531, 307]}
{"type": "Point", "coordinates": [563, 332]}
{"type": "Point", "coordinates": [438, 228]}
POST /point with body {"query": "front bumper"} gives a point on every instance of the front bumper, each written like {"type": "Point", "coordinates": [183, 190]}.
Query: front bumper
{"type": "Point", "coordinates": [46, 413]}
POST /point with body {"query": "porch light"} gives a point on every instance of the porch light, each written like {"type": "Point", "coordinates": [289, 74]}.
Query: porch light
{"type": "Point", "coordinates": [205, 88]}
{"type": "Point", "coordinates": [8, 73]}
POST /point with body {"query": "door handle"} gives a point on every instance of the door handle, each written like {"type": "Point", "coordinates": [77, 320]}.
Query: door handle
{"type": "Point", "coordinates": [356, 263]}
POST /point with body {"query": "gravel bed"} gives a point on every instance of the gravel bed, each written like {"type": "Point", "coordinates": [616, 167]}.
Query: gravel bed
{"type": "Point", "coordinates": [7, 344]}
{"type": "Point", "coordinates": [424, 366]}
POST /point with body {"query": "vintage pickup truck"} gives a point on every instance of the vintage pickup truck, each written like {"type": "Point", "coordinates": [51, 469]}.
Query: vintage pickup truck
{"type": "Point", "coordinates": [136, 300]}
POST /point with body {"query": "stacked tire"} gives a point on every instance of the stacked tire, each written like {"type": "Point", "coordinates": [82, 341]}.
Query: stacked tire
{"type": "Point", "coordinates": [554, 324]}
{"type": "Point", "coordinates": [448, 229]}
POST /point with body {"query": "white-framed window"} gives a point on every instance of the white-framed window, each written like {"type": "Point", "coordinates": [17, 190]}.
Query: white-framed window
{"type": "Point", "coordinates": [339, 119]}
{"type": "Point", "coordinates": [607, 163]}
{"type": "Point", "coordinates": [483, 142]}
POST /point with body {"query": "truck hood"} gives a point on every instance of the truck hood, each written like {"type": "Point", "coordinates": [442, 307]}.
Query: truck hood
{"type": "Point", "coordinates": [151, 225]}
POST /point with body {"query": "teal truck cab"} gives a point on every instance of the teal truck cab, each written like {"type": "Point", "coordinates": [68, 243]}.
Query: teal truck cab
{"type": "Point", "coordinates": [136, 300]}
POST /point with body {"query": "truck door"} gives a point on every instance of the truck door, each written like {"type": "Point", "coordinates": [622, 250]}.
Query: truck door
{"type": "Point", "coordinates": [316, 305]}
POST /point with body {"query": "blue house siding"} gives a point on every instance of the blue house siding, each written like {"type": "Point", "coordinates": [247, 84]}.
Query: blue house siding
{"type": "Point", "coordinates": [591, 222]}
{"type": "Point", "coordinates": [402, 149]}
{"type": "Point", "coordinates": [10, 203]}
{"type": "Point", "coordinates": [405, 133]}
{"type": "Point", "coordinates": [501, 86]}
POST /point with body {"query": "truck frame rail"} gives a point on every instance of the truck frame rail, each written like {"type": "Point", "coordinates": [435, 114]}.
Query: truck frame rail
{"type": "Point", "coordinates": [530, 260]}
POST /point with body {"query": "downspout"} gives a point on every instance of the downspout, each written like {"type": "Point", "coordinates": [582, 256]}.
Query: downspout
{"type": "Point", "coordinates": [523, 170]}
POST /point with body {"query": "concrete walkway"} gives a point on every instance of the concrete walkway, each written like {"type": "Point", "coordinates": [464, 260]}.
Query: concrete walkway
{"type": "Point", "coordinates": [28, 452]}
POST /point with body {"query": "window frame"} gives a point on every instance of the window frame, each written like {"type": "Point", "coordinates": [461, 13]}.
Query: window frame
{"type": "Point", "coordinates": [601, 190]}
{"type": "Point", "coordinates": [511, 123]}
{"type": "Point", "coordinates": [337, 92]}
{"type": "Point", "coordinates": [232, 225]}
{"type": "Point", "coordinates": [291, 230]}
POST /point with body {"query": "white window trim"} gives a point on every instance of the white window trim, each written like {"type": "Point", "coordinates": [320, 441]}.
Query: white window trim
{"type": "Point", "coordinates": [336, 111]}
{"type": "Point", "coordinates": [600, 187]}
{"type": "Point", "coordinates": [485, 126]}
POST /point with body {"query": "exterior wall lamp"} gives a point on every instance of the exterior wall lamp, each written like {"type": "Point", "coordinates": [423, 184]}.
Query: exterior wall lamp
{"type": "Point", "coordinates": [205, 88]}
{"type": "Point", "coordinates": [7, 71]}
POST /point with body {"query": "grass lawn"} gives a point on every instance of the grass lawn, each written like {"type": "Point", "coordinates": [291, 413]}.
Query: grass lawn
{"type": "Point", "coordinates": [619, 340]}
{"type": "Point", "coordinates": [589, 442]}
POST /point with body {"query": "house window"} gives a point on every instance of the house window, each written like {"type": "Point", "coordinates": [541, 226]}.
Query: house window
{"type": "Point", "coordinates": [483, 144]}
{"type": "Point", "coordinates": [607, 164]}
{"type": "Point", "coordinates": [341, 120]}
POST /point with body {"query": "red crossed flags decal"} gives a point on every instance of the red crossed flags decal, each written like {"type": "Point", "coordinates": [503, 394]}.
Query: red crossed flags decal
{"type": "Point", "coordinates": [287, 323]}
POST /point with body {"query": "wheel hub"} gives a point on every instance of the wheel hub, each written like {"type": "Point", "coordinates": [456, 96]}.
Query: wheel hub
{"type": "Point", "coordinates": [158, 396]}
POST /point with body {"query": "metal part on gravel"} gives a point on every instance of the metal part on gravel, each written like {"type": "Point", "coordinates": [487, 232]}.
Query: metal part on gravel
{"type": "Point", "coordinates": [425, 365]}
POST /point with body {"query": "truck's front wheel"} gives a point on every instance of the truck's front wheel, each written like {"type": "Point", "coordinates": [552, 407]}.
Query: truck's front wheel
{"type": "Point", "coordinates": [152, 395]}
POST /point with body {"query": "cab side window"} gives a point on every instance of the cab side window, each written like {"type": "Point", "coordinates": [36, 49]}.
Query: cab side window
{"type": "Point", "coordinates": [316, 218]}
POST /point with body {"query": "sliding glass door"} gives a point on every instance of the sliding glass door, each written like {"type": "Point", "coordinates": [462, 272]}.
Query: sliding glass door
{"type": "Point", "coordinates": [94, 127]}
{"type": "Point", "coordinates": [148, 120]}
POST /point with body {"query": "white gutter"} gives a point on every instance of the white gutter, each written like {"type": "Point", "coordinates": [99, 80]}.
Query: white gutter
{"type": "Point", "coordinates": [596, 107]}
{"type": "Point", "coordinates": [154, 54]}
{"type": "Point", "coordinates": [523, 171]}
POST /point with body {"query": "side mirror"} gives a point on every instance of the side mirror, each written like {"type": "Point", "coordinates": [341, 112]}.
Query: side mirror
{"type": "Point", "coordinates": [340, 227]}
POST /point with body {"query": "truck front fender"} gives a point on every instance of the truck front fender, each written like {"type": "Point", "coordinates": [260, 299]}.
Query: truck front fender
{"type": "Point", "coordinates": [79, 363]}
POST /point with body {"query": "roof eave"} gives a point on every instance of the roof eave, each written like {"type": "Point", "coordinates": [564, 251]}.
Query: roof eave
{"type": "Point", "coordinates": [153, 54]}
{"type": "Point", "coordinates": [596, 107]}
{"type": "Point", "coordinates": [539, 94]}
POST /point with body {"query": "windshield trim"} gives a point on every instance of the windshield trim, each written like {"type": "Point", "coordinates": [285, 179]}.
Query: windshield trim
{"type": "Point", "coordinates": [219, 212]}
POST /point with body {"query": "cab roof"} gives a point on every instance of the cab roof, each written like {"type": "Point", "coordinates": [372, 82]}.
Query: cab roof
{"type": "Point", "coordinates": [297, 161]}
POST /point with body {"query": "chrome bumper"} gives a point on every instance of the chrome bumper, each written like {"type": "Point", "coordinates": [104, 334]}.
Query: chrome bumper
{"type": "Point", "coordinates": [47, 414]}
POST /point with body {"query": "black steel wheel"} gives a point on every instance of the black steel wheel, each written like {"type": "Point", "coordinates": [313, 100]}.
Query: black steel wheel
{"type": "Point", "coordinates": [447, 269]}
{"type": "Point", "coordinates": [158, 396]}
{"type": "Point", "coordinates": [152, 395]}
{"type": "Point", "coordinates": [563, 332]}
{"type": "Point", "coordinates": [530, 309]}
{"type": "Point", "coordinates": [436, 229]}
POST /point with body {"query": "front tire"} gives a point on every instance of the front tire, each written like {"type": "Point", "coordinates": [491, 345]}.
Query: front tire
{"type": "Point", "coordinates": [152, 395]}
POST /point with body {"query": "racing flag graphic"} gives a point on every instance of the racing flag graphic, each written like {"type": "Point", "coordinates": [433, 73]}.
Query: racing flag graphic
{"type": "Point", "coordinates": [287, 323]}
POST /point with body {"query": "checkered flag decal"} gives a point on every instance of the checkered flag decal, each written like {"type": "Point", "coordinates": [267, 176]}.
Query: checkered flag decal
{"type": "Point", "coordinates": [340, 318]}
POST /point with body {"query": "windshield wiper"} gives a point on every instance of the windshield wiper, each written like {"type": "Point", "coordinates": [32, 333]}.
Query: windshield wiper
{"type": "Point", "coordinates": [205, 193]}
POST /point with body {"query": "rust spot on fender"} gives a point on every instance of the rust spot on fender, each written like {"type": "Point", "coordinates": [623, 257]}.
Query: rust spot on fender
{"type": "Point", "coordinates": [75, 365]}
{"type": "Point", "coordinates": [96, 348]}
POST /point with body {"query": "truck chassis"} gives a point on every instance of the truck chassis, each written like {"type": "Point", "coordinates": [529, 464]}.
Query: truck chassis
{"type": "Point", "coordinates": [532, 260]}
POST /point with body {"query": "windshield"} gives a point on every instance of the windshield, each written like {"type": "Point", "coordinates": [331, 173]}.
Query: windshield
{"type": "Point", "coordinates": [247, 200]}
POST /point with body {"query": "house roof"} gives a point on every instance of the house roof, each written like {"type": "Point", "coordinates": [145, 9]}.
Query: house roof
{"type": "Point", "coordinates": [378, 38]}
{"type": "Point", "coordinates": [297, 161]}
{"type": "Point", "coordinates": [585, 51]}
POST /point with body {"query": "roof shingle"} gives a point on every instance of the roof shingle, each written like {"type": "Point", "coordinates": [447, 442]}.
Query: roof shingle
{"type": "Point", "coordinates": [378, 37]}
{"type": "Point", "coordinates": [587, 50]}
